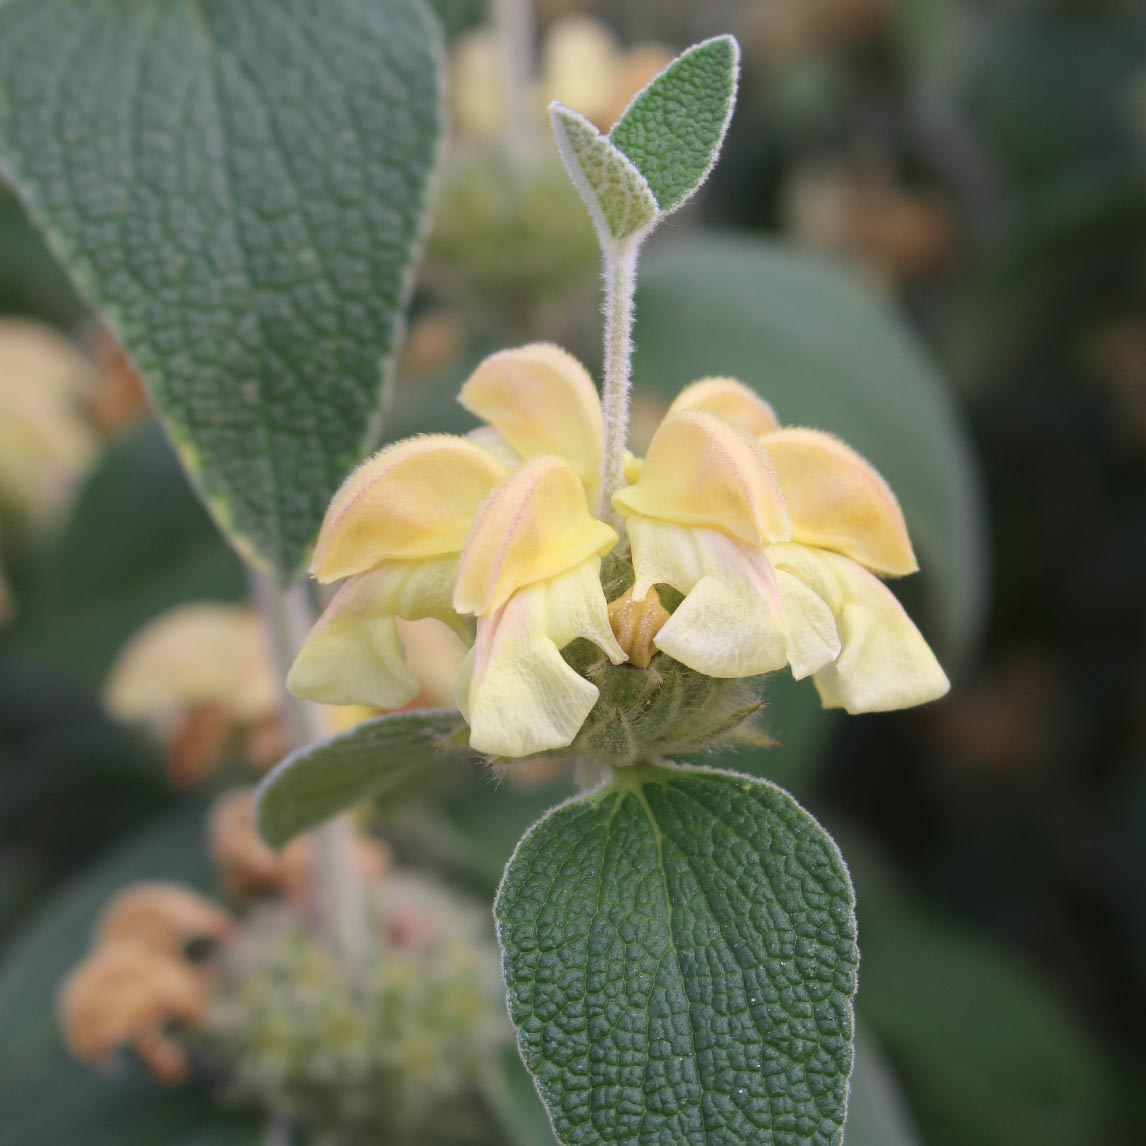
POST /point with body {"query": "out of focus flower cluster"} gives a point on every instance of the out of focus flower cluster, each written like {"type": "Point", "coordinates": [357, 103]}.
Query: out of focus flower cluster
{"type": "Point", "coordinates": [391, 1049]}
{"type": "Point", "coordinates": [56, 405]}
{"type": "Point", "coordinates": [511, 239]}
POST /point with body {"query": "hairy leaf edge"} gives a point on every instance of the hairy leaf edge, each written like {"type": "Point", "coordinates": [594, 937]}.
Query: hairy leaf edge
{"type": "Point", "coordinates": [263, 790]}
{"type": "Point", "coordinates": [598, 793]}
{"type": "Point", "coordinates": [730, 108]}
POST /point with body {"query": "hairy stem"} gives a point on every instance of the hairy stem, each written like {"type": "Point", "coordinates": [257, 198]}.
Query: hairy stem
{"type": "Point", "coordinates": [620, 278]}
{"type": "Point", "coordinates": [340, 894]}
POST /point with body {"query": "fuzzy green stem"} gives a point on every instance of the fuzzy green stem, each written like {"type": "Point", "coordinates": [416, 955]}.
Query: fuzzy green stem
{"type": "Point", "coordinates": [340, 894]}
{"type": "Point", "coordinates": [620, 280]}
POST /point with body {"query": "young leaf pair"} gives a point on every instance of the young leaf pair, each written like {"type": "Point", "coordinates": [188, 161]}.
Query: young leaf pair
{"type": "Point", "coordinates": [660, 150]}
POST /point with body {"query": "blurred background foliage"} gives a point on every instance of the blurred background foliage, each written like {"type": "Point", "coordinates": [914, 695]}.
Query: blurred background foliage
{"type": "Point", "coordinates": [927, 233]}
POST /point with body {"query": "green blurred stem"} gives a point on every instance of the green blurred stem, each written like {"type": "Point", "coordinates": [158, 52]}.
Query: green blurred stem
{"type": "Point", "coordinates": [513, 20]}
{"type": "Point", "coordinates": [340, 894]}
{"type": "Point", "coordinates": [620, 280]}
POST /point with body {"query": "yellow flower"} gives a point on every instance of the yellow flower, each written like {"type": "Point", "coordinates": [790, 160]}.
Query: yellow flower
{"type": "Point", "coordinates": [396, 530]}
{"type": "Point", "coordinates": [440, 527]}
{"type": "Point", "coordinates": [46, 446]}
{"type": "Point", "coordinates": [531, 574]}
{"type": "Point", "coordinates": [775, 536]}
{"type": "Point", "coordinates": [202, 677]}
{"type": "Point", "coordinates": [582, 65]}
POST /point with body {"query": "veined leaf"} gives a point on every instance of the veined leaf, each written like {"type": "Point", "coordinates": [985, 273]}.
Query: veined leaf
{"type": "Point", "coordinates": [673, 129]}
{"type": "Point", "coordinates": [377, 756]}
{"type": "Point", "coordinates": [613, 190]}
{"type": "Point", "coordinates": [240, 188]}
{"type": "Point", "coordinates": [679, 948]}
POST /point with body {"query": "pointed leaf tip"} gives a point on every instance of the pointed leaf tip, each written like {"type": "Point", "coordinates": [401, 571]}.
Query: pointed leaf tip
{"type": "Point", "coordinates": [613, 190]}
{"type": "Point", "coordinates": [674, 128]}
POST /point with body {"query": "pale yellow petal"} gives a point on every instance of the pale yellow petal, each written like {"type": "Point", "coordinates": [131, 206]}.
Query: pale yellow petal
{"type": "Point", "coordinates": [542, 401]}
{"type": "Point", "coordinates": [732, 622]}
{"type": "Point", "coordinates": [885, 663]}
{"type": "Point", "coordinates": [580, 65]}
{"type": "Point", "coordinates": [434, 653]}
{"type": "Point", "coordinates": [838, 501]}
{"type": "Point", "coordinates": [354, 653]}
{"type": "Point", "coordinates": [477, 87]}
{"type": "Point", "coordinates": [494, 442]}
{"type": "Point", "coordinates": [46, 442]}
{"type": "Point", "coordinates": [534, 526]}
{"type": "Point", "coordinates": [730, 400]}
{"type": "Point", "coordinates": [812, 639]}
{"type": "Point", "coordinates": [515, 690]}
{"type": "Point", "coordinates": [701, 470]}
{"type": "Point", "coordinates": [416, 498]}
{"type": "Point", "coordinates": [201, 653]}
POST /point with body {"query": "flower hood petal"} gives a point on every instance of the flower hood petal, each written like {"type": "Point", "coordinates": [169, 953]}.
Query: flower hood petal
{"type": "Point", "coordinates": [416, 498]}
{"type": "Point", "coordinates": [837, 500]}
{"type": "Point", "coordinates": [731, 400]}
{"type": "Point", "coordinates": [542, 401]}
{"type": "Point", "coordinates": [701, 470]}
{"type": "Point", "coordinates": [534, 526]}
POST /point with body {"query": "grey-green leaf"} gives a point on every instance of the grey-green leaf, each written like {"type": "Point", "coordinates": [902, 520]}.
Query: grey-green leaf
{"type": "Point", "coordinates": [372, 759]}
{"type": "Point", "coordinates": [240, 188]}
{"type": "Point", "coordinates": [672, 131]}
{"type": "Point", "coordinates": [613, 190]}
{"type": "Point", "coordinates": [680, 953]}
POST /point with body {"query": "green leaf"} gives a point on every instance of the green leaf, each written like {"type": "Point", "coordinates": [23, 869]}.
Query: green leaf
{"type": "Point", "coordinates": [375, 757]}
{"type": "Point", "coordinates": [827, 352]}
{"type": "Point", "coordinates": [987, 1048]}
{"type": "Point", "coordinates": [613, 190]}
{"type": "Point", "coordinates": [240, 188]}
{"type": "Point", "coordinates": [679, 949]}
{"type": "Point", "coordinates": [673, 129]}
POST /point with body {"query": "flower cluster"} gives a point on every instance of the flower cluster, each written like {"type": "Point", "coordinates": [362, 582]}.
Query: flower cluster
{"type": "Point", "coordinates": [258, 1003]}
{"type": "Point", "coordinates": [774, 540]}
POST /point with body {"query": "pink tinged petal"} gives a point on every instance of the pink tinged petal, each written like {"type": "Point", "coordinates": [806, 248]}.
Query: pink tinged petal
{"type": "Point", "coordinates": [885, 663]}
{"type": "Point", "coordinates": [542, 401]}
{"type": "Point", "coordinates": [515, 690]}
{"type": "Point", "coordinates": [354, 654]}
{"type": "Point", "coordinates": [703, 471]}
{"type": "Point", "coordinates": [416, 498]}
{"type": "Point", "coordinates": [534, 526]}
{"type": "Point", "coordinates": [838, 501]}
{"type": "Point", "coordinates": [732, 622]}
{"type": "Point", "coordinates": [730, 400]}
